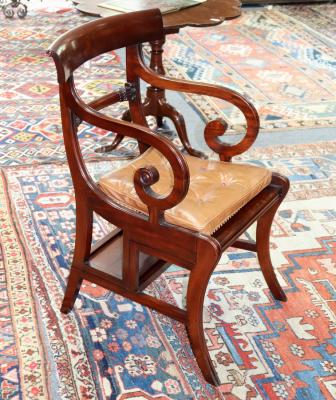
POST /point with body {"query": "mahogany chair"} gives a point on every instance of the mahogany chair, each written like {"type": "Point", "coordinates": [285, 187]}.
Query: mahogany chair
{"type": "Point", "coordinates": [169, 208]}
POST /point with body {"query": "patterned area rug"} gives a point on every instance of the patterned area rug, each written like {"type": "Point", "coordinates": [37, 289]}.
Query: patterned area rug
{"type": "Point", "coordinates": [282, 58]}
{"type": "Point", "coordinates": [110, 348]}
{"type": "Point", "coordinates": [30, 129]}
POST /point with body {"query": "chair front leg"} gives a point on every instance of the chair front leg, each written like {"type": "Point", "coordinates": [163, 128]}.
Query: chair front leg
{"type": "Point", "coordinates": [208, 257]}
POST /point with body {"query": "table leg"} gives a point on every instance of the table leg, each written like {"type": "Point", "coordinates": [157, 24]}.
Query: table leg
{"type": "Point", "coordinates": [155, 104]}
{"type": "Point", "coordinates": [110, 147]}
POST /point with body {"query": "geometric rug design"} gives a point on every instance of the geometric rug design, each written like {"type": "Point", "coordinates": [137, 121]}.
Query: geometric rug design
{"type": "Point", "coordinates": [282, 58]}
{"type": "Point", "coordinates": [30, 124]}
{"type": "Point", "coordinates": [111, 348]}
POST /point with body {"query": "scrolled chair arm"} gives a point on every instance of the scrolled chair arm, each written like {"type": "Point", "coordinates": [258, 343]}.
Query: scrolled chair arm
{"type": "Point", "coordinates": [215, 128]}
{"type": "Point", "coordinates": [144, 177]}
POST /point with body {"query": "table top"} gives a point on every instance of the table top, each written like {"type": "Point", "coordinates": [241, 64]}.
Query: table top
{"type": "Point", "coordinates": [211, 12]}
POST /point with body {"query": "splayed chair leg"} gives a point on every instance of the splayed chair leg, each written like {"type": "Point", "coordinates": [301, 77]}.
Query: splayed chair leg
{"type": "Point", "coordinates": [198, 282]}
{"type": "Point", "coordinates": [73, 286]}
{"type": "Point", "coordinates": [264, 225]}
{"type": "Point", "coordinates": [84, 221]}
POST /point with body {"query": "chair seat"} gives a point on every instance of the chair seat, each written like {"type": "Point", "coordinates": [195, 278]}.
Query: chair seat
{"type": "Point", "coordinates": [217, 189]}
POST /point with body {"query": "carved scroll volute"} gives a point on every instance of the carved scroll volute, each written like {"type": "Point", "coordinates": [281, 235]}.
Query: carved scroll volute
{"type": "Point", "coordinates": [213, 130]}
{"type": "Point", "coordinates": [216, 128]}
{"type": "Point", "coordinates": [147, 176]}
{"type": "Point", "coordinates": [144, 178]}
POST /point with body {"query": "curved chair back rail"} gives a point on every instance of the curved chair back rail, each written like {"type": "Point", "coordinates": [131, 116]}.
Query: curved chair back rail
{"type": "Point", "coordinates": [85, 42]}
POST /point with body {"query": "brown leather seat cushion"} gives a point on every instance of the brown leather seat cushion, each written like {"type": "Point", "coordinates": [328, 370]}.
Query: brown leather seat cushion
{"type": "Point", "coordinates": [217, 189]}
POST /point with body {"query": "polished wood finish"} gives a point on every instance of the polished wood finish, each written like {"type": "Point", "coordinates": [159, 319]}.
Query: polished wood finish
{"type": "Point", "coordinates": [142, 247]}
{"type": "Point", "coordinates": [209, 13]}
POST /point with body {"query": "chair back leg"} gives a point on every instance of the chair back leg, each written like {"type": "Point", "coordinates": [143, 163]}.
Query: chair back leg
{"type": "Point", "coordinates": [263, 233]}
{"type": "Point", "coordinates": [73, 286]}
{"type": "Point", "coordinates": [130, 263]}
{"type": "Point", "coordinates": [84, 224]}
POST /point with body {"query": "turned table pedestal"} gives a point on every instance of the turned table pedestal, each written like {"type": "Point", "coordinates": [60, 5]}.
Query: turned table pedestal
{"type": "Point", "coordinates": [209, 13]}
